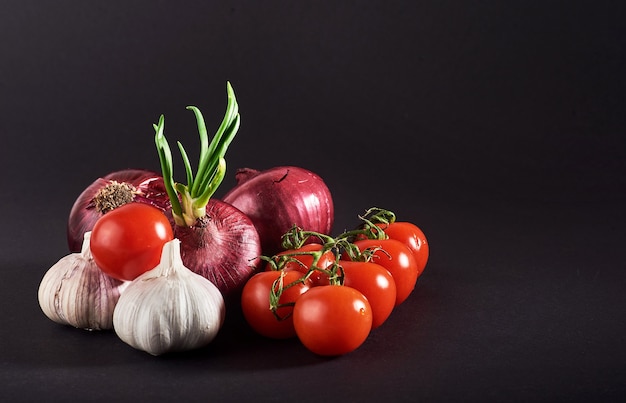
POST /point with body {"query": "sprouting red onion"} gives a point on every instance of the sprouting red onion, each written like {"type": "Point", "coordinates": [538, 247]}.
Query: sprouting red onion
{"type": "Point", "coordinates": [223, 246]}
{"type": "Point", "coordinates": [217, 241]}
{"type": "Point", "coordinates": [110, 191]}
{"type": "Point", "coordinates": [279, 198]}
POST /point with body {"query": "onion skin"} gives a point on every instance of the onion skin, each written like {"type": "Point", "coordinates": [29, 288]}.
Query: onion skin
{"type": "Point", "coordinates": [224, 247]}
{"type": "Point", "coordinates": [84, 214]}
{"type": "Point", "coordinates": [279, 198]}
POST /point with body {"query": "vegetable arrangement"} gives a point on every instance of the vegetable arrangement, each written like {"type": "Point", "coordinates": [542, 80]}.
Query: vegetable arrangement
{"type": "Point", "coordinates": [158, 261]}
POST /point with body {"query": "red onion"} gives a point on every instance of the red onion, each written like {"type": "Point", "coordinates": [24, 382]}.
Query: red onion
{"type": "Point", "coordinates": [279, 198]}
{"type": "Point", "coordinates": [111, 191]}
{"type": "Point", "coordinates": [217, 241]}
{"type": "Point", "coordinates": [223, 246]}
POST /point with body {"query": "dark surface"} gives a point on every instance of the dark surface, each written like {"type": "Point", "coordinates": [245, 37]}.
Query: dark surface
{"type": "Point", "coordinates": [497, 127]}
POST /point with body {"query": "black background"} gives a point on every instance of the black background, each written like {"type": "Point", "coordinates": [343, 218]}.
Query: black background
{"type": "Point", "coordinates": [497, 127]}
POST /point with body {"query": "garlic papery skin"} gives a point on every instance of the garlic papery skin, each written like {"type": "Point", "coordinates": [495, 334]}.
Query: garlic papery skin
{"type": "Point", "coordinates": [74, 291]}
{"type": "Point", "coordinates": [169, 308]}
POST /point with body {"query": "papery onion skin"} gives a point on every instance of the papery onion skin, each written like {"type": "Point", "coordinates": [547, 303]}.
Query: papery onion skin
{"type": "Point", "coordinates": [84, 214]}
{"type": "Point", "coordinates": [279, 198]}
{"type": "Point", "coordinates": [224, 247]}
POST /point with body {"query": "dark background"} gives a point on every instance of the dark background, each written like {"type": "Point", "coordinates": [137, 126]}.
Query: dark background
{"type": "Point", "coordinates": [497, 127]}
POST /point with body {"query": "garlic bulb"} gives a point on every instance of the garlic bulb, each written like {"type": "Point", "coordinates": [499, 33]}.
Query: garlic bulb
{"type": "Point", "coordinates": [74, 291]}
{"type": "Point", "coordinates": [169, 308]}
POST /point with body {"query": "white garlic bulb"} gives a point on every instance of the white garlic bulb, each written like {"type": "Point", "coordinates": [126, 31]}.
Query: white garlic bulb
{"type": "Point", "coordinates": [74, 291]}
{"type": "Point", "coordinates": [169, 308]}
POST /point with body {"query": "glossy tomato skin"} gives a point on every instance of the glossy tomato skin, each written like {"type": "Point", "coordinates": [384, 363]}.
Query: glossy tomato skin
{"type": "Point", "coordinates": [127, 241]}
{"type": "Point", "coordinates": [376, 283]}
{"type": "Point", "coordinates": [398, 259]}
{"type": "Point", "coordinates": [255, 302]}
{"type": "Point", "coordinates": [412, 236]}
{"type": "Point", "coordinates": [332, 320]}
{"type": "Point", "coordinates": [304, 260]}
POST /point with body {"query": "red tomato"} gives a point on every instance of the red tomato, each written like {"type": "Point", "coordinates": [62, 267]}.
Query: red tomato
{"type": "Point", "coordinates": [127, 241]}
{"type": "Point", "coordinates": [304, 260]}
{"type": "Point", "coordinates": [376, 283]}
{"type": "Point", "coordinates": [398, 259]}
{"type": "Point", "coordinates": [412, 236]}
{"type": "Point", "coordinates": [332, 320]}
{"type": "Point", "coordinates": [255, 303]}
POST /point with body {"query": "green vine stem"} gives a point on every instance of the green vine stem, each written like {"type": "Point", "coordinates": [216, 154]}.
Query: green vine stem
{"type": "Point", "coordinates": [379, 216]}
{"type": "Point", "coordinates": [342, 244]}
{"type": "Point", "coordinates": [189, 201]}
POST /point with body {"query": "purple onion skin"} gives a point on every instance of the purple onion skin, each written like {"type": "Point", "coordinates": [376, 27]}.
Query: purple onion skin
{"type": "Point", "coordinates": [224, 247]}
{"type": "Point", "coordinates": [84, 215]}
{"type": "Point", "coordinates": [279, 198]}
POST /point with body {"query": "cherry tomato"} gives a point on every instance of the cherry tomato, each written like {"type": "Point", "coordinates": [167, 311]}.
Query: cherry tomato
{"type": "Point", "coordinates": [376, 283]}
{"type": "Point", "coordinates": [412, 236]}
{"type": "Point", "coordinates": [255, 303]}
{"type": "Point", "coordinates": [304, 260]}
{"type": "Point", "coordinates": [332, 320]}
{"type": "Point", "coordinates": [398, 259]}
{"type": "Point", "coordinates": [127, 241]}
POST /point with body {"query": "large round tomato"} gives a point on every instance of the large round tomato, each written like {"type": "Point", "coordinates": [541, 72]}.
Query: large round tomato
{"type": "Point", "coordinates": [412, 236]}
{"type": "Point", "coordinates": [255, 303]}
{"type": "Point", "coordinates": [376, 283]}
{"type": "Point", "coordinates": [332, 320]}
{"type": "Point", "coordinates": [398, 259]}
{"type": "Point", "coordinates": [127, 241]}
{"type": "Point", "coordinates": [301, 260]}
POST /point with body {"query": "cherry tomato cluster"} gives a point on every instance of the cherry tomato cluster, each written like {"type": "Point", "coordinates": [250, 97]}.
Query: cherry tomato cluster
{"type": "Point", "coordinates": [331, 292]}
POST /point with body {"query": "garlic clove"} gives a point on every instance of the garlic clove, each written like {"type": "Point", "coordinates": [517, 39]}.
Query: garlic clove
{"type": "Point", "coordinates": [75, 292]}
{"type": "Point", "coordinates": [169, 308]}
